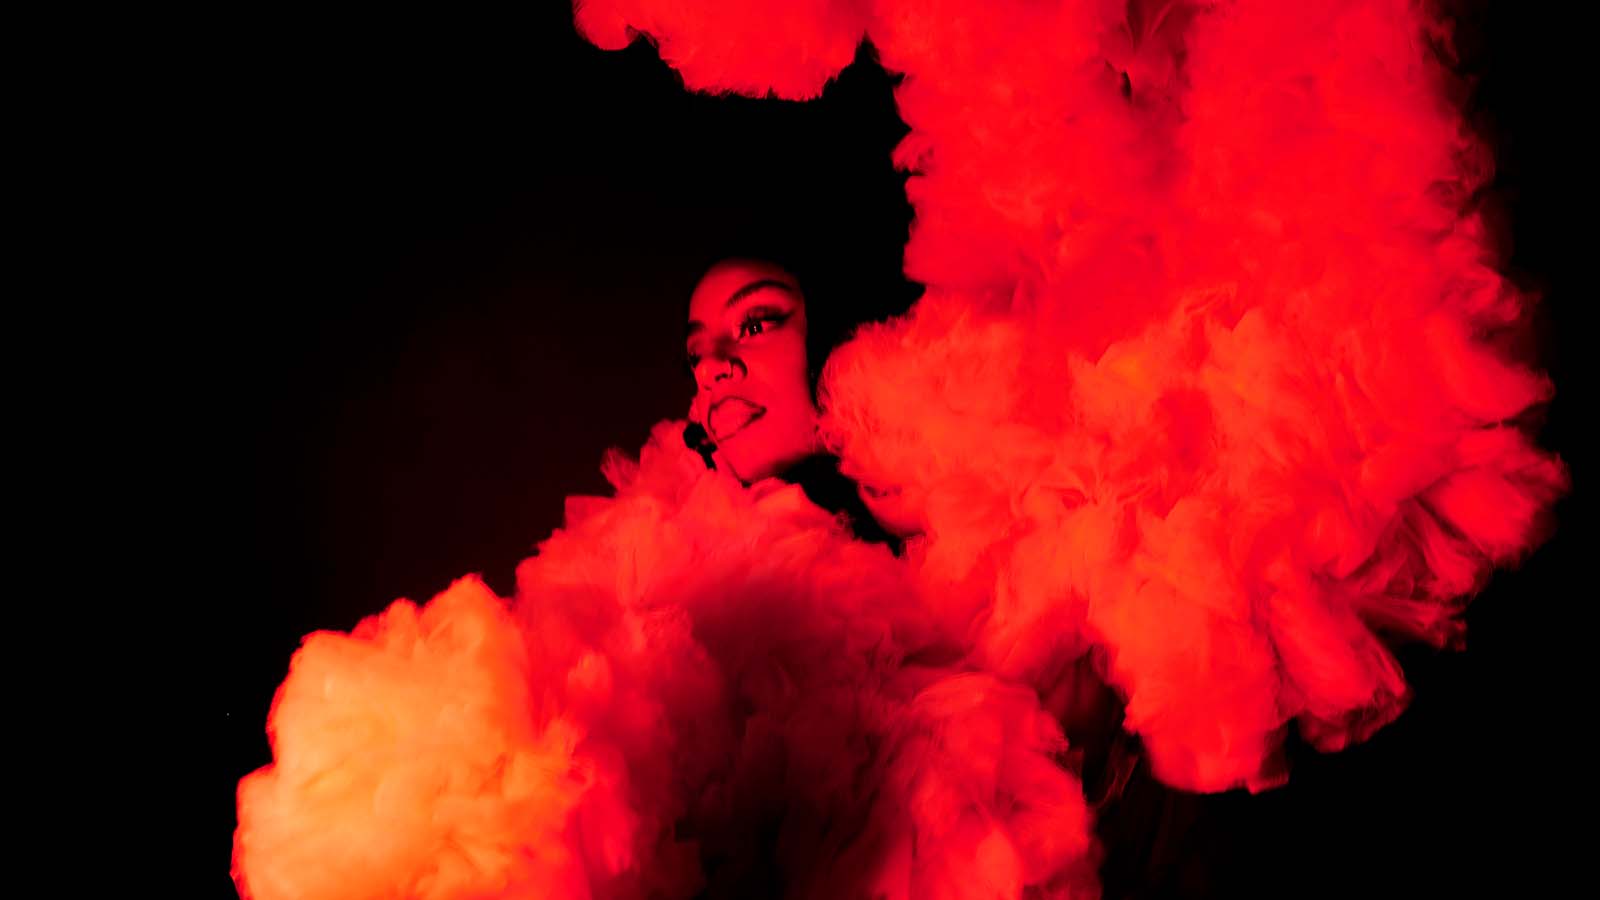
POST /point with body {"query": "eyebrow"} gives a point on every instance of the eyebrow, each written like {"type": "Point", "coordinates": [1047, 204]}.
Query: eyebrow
{"type": "Point", "coordinates": [743, 292]}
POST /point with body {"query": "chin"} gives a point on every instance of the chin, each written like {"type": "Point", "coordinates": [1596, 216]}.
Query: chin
{"type": "Point", "coordinates": [752, 464]}
{"type": "Point", "coordinates": [756, 452]}
{"type": "Point", "coordinates": [751, 468]}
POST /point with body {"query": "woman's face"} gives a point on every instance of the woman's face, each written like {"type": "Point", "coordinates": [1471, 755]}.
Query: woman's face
{"type": "Point", "coordinates": [747, 349]}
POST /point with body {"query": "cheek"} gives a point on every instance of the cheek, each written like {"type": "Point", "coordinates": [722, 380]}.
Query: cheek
{"type": "Point", "coordinates": [787, 370]}
{"type": "Point", "coordinates": [791, 390]}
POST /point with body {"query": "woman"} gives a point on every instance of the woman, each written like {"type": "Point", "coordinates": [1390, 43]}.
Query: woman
{"type": "Point", "coordinates": [750, 347]}
{"type": "Point", "coordinates": [746, 345]}
{"type": "Point", "coordinates": [754, 414]}
{"type": "Point", "coordinates": [705, 686]}
{"type": "Point", "coordinates": [1197, 392]}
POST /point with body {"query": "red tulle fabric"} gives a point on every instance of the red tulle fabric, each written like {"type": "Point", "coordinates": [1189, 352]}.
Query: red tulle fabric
{"type": "Point", "coordinates": [691, 670]}
{"type": "Point", "coordinates": [1202, 387]}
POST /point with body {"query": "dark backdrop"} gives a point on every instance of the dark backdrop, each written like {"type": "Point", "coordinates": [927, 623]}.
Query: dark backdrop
{"type": "Point", "coordinates": [447, 266]}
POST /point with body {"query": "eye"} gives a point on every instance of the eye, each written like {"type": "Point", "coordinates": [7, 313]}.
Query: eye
{"type": "Point", "coordinates": [759, 321]}
{"type": "Point", "coordinates": [693, 362]}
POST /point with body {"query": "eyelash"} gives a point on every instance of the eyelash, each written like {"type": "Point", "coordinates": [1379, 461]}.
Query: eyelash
{"type": "Point", "coordinates": [763, 318]}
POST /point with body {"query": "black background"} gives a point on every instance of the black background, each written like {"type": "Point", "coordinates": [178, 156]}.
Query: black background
{"type": "Point", "coordinates": [447, 265]}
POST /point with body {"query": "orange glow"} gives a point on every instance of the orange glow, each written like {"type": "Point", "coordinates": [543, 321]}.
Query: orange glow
{"type": "Point", "coordinates": [1197, 386]}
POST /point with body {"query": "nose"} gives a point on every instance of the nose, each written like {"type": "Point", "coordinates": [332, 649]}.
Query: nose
{"type": "Point", "coordinates": [718, 365]}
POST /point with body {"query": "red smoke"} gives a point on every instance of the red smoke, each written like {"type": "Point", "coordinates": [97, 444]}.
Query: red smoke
{"type": "Point", "coordinates": [1209, 272]}
{"type": "Point", "coordinates": [1199, 385]}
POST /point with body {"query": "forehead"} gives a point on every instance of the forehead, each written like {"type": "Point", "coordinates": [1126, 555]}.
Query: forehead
{"type": "Point", "coordinates": [711, 293]}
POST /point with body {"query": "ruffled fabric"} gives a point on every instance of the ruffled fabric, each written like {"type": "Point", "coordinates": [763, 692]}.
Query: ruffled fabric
{"type": "Point", "coordinates": [787, 50]}
{"type": "Point", "coordinates": [1204, 380]}
{"type": "Point", "coordinates": [1204, 390]}
{"type": "Point", "coordinates": [700, 688]}
{"type": "Point", "coordinates": [408, 763]}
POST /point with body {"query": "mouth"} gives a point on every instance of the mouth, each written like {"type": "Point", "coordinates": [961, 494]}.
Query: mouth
{"type": "Point", "coordinates": [731, 415]}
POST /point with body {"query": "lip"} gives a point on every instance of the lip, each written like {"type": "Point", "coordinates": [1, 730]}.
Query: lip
{"type": "Point", "coordinates": [735, 410]}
